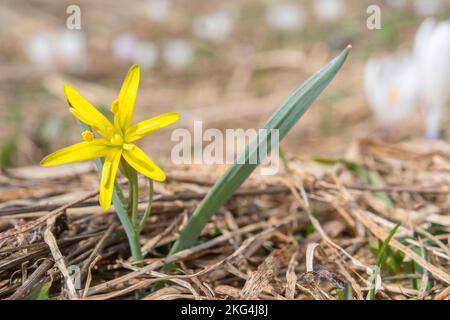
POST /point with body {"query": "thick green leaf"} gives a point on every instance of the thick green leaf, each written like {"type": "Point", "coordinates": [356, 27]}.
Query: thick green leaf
{"type": "Point", "coordinates": [282, 120]}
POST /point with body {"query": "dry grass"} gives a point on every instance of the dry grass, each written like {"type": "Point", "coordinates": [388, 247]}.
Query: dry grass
{"type": "Point", "coordinates": [262, 245]}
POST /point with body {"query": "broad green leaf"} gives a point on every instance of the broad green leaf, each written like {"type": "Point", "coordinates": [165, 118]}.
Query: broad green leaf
{"type": "Point", "coordinates": [282, 120]}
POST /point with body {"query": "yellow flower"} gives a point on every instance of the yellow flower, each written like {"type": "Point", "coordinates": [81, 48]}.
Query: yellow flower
{"type": "Point", "coordinates": [116, 140]}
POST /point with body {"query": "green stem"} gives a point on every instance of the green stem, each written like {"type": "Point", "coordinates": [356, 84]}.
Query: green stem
{"type": "Point", "coordinates": [149, 207]}
{"type": "Point", "coordinates": [285, 160]}
{"type": "Point", "coordinates": [118, 201]}
{"type": "Point", "coordinates": [133, 237]}
{"type": "Point", "coordinates": [130, 191]}
{"type": "Point", "coordinates": [134, 190]}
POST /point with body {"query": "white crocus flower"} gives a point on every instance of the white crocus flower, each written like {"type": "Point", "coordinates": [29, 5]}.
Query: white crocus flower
{"type": "Point", "coordinates": [216, 26]}
{"type": "Point", "coordinates": [328, 10]}
{"type": "Point", "coordinates": [391, 89]}
{"type": "Point", "coordinates": [124, 46]}
{"type": "Point", "coordinates": [71, 49]}
{"type": "Point", "coordinates": [66, 49]}
{"type": "Point", "coordinates": [178, 53]}
{"type": "Point", "coordinates": [40, 50]}
{"type": "Point", "coordinates": [432, 55]}
{"type": "Point", "coordinates": [146, 54]}
{"type": "Point", "coordinates": [285, 16]}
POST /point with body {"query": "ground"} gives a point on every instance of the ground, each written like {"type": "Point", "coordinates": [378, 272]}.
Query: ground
{"type": "Point", "coordinates": [314, 231]}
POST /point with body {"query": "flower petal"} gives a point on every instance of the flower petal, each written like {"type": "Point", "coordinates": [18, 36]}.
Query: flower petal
{"type": "Point", "coordinates": [142, 163]}
{"type": "Point", "coordinates": [78, 152]}
{"type": "Point", "coordinates": [127, 98]}
{"type": "Point", "coordinates": [84, 111]}
{"type": "Point", "coordinates": [140, 129]}
{"type": "Point", "coordinates": [109, 171]}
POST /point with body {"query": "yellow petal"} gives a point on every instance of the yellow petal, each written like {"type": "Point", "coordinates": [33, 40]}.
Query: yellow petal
{"type": "Point", "coordinates": [84, 111]}
{"type": "Point", "coordinates": [145, 127]}
{"type": "Point", "coordinates": [78, 152]}
{"type": "Point", "coordinates": [127, 98]}
{"type": "Point", "coordinates": [109, 171]}
{"type": "Point", "coordinates": [142, 163]}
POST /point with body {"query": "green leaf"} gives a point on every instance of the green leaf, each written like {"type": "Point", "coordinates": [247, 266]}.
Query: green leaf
{"type": "Point", "coordinates": [282, 120]}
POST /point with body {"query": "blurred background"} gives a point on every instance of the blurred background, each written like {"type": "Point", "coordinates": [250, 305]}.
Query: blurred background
{"type": "Point", "coordinates": [227, 63]}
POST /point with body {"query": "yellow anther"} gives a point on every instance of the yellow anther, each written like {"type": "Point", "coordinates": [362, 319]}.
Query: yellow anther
{"type": "Point", "coordinates": [115, 106]}
{"type": "Point", "coordinates": [87, 135]}
{"type": "Point", "coordinates": [393, 95]}
{"type": "Point", "coordinates": [117, 140]}
{"type": "Point", "coordinates": [127, 146]}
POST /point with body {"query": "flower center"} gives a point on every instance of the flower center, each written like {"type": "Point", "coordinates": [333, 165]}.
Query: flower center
{"type": "Point", "coordinates": [393, 95]}
{"type": "Point", "coordinates": [116, 140]}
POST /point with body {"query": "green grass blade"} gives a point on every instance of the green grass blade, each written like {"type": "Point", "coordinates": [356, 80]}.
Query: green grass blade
{"type": "Point", "coordinates": [282, 120]}
{"type": "Point", "coordinates": [40, 293]}
{"type": "Point", "coordinates": [380, 259]}
{"type": "Point", "coordinates": [362, 173]}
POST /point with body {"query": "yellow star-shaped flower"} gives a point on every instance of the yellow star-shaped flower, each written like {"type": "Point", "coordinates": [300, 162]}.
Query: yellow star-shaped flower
{"type": "Point", "coordinates": [116, 140]}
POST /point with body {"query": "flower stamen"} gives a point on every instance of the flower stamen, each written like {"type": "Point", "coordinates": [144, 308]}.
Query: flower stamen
{"type": "Point", "coordinates": [115, 106]}
{"type": "Point", "coordinates": [87, 136]}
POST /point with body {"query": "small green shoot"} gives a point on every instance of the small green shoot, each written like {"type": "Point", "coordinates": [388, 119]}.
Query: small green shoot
{"type": "Point", "coordinates": [362, 173]}
{"type": "Point", "coordinates": [394, 258]}
{"type": "Point", "coordinates": [346, 294]}
{"type": "Point", "coordinates": [380, 260]}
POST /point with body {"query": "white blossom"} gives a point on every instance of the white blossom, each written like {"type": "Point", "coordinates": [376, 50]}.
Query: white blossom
{"type": "Point", "coordinates": [71, 49]}
{"type": "Point", "coordinates": [48, 50]}
{"type": "Point", "coordinates": [40, 50]}
{"type": "Point", "coordinates": [145, 54]}
{"type": "Point", "coordinates": [124, 46]}
{"type": "Point", "coordinates": [432, 55]}
{"type": "Point", "coordinates": [285, 16]}
{"type": "Point", "coordinates": [216, 26]}
{"type": "Point", "coordinates": [391, 89]}
{"type": "Point", "coordinates": [178, 53]}
{"type": "Point", "coordinates": [329, 10]}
